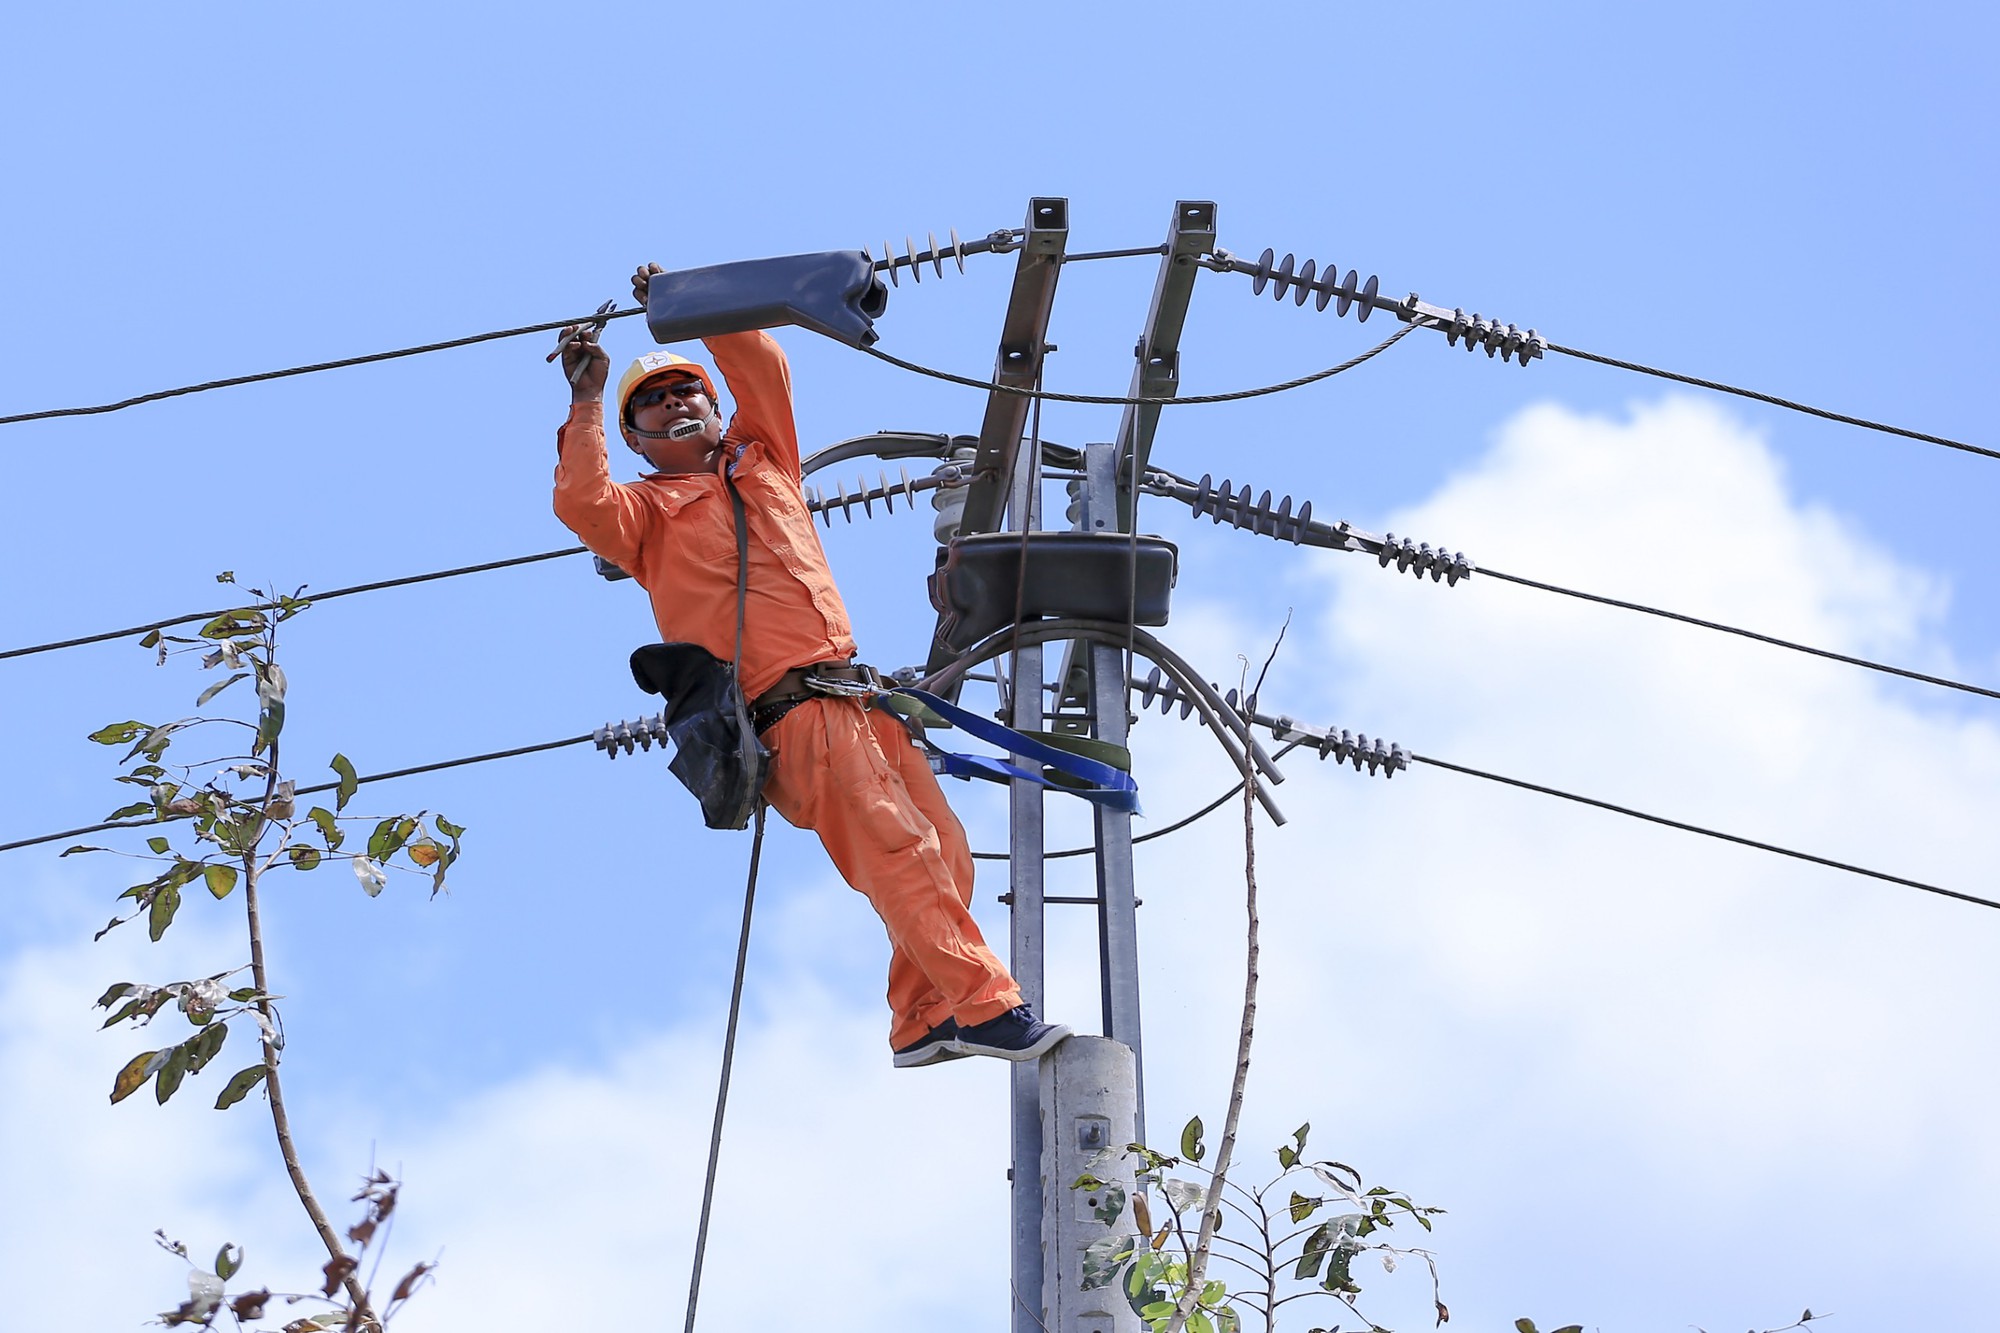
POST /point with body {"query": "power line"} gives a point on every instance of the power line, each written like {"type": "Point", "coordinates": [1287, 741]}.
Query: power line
{"type": "Point", "coordinates": [1827, 653]}
{"type": "Point", "coordinates": [1705, 832]}
{"type": "Point", "coordinates": [1417, 758]}
{"type": "Point", "coordinates": [377, 586]}
{"type": "Point", "coordinates": [311, 791]}
{"type": "Point", "coordinates": [1745, 633]}
{"type": "Point", "coordinates": [1773, 400]}
{"type": "Point", "coordinates": [312, 369]}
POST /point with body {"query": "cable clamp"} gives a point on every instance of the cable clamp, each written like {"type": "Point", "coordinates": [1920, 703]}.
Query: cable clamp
{"type": "Point", "coordinates": [613, 737]}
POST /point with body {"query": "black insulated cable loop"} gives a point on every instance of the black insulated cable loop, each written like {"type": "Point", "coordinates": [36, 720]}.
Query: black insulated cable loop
{"type": "Point", "coordinates": [1112, 400]}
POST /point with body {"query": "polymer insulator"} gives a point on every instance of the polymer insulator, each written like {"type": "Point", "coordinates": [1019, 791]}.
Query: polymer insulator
{"type": "Point", "coordinates": [914, 259]}
{"type": "Point", "coordinates": [1166, 693]}
{"type": "Point", "coordinates": [1281, 278]}
{"type": "Point", "coordinates": [1421, 558]}
{"type": "Point", "coordinates": [613, 737]}
{"type": "Point", "coordinates": [818, 502]}
{"type": "Point", "coordinates": [1224, 504]}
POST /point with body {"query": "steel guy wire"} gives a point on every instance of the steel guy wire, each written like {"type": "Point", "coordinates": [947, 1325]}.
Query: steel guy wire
{"type": "Point", "coordinates": [1415, 758]}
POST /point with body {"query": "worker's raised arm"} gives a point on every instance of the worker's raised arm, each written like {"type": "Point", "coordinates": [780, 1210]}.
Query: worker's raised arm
{"type": "Point", "coordinates": [760, 380]}
{"type": "Point", "coordinates": [604, 514]}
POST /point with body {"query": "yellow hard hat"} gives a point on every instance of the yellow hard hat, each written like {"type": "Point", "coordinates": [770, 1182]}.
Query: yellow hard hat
{"type": "Point", "coordinates": [657, 365]}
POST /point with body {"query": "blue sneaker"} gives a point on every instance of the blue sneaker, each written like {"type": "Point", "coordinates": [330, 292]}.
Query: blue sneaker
{"type": "Point", "coordinates": [934, 1047]}
{"type": "Point", "coordinates": [1015, 1035]}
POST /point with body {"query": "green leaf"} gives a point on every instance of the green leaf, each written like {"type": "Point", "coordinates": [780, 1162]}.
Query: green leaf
{"type": "Point", "coordinates": [221, 879]}
{"type": "Point", "coordinates": [449, 829]}
{"type": "Point", "coordinates": [151, 640]}
{"type": "Point", "coordinates": [1299, 1136]}
{"type": "Point", "coordinates": [135, 1073]}
{"type": "Point", "coordinates": [203, 1048]}
{"type": "Point", "coordinates": [1315, 1252]}
{"type": "Point", "coordinates": [1191, 1144]}
{"type": "Point", "coordinates": [226, 1264]}
{"type": "Point", "coordinates": [117, 733]}
{"type": "Point", "coordinates": [1199, 1322]}
{"type": "Point", "coordinates": [171, 1073]}
{"type": "Point", "coordinates": [1110, 1203]}
{"type": "Point", "coordinates": [1578, 1328]}
{"type": "Point", "coordinates": [80, 847]}
{"type": "Point", "coordinates": [1288, 1157]}
{"type": "Point", "coordinates": [226, 576]}
{"type": "Point", "coordinates": [389, 836]}
{"type": "Point", "coordinates": [113, 993]}
{"type": "Point", "coordinates": [243, 993]}
{"type": "Point", "coordinates": [1525, 1326]}
{"type": "Point", "coordinates": [243, 620]}
{"type": "Point", "coordinates": [218, 688]}
{"type": "Point", "coordinates": [1103, 1258]}
{"type": "Point", "coordinates": [304, 858]}
{"type": "Point", "coordinates": [131, 811]}
{"type": "Point", "coordinates": [1302, 1207]}
{"type": "Point", "coordinates": [328, 829]}
{"type": "Point", "coordinates": [239, 1086]}
{"type": "Point", "coordinates": [159, 845]}
{"type": "Point", "coordinates": [348, 782]}
{"type": "Point", "coordinates": [161, 914]}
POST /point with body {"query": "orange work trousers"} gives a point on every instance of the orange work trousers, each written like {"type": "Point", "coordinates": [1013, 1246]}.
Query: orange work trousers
{"type": "Point", "coordinates": [853, 776]}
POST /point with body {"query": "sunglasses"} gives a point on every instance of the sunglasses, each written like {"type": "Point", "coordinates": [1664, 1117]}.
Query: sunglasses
{"type": "Point", "coordinates": [682, 389]}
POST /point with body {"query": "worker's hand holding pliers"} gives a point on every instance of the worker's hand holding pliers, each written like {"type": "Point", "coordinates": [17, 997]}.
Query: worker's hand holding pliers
{"type": "Point", "coordinates": [585, 364]}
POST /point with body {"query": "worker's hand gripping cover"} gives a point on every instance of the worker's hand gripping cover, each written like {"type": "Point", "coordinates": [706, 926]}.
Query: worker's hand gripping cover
{"type": "Point", "coordinates": [717, 755]}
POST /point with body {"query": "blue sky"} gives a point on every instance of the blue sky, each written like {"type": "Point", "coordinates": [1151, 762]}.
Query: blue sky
{"type": "Point", "coordinates": [1658, 1082]}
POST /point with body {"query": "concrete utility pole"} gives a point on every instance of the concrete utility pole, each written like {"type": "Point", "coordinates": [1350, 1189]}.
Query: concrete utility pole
{"type": "Point", "coordinates": [1088, 1094]}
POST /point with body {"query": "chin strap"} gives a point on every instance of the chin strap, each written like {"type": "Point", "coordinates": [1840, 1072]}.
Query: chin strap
{"type": "Point", "coordinates": [677, 431]}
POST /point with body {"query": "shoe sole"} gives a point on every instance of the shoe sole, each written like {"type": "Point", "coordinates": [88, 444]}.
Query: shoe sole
{"type": "Point", "coordinates": [1047, 1042]}
{"type": "Point", "coordinates": [930, 1055]}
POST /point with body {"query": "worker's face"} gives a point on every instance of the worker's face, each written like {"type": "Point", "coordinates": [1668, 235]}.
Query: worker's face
{"type": "Point", "coordinates": [658, 406]}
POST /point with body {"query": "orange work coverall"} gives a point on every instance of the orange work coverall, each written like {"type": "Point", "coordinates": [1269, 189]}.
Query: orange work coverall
{"type": "Point", "coordinates": [852, 775]}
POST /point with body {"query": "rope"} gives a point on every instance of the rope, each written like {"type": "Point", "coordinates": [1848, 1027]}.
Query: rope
{"type": "Point", "coordinates": [1772, 399]}
{"type": "Point", "coordinates": [1744, 633]}
{"type": "Point", "coordinates": [728, 1059]}
{"type": "Point", "coordinates": [314, 368]}
{"type": "Point", "coordinates": [1111, 400]}
{"type": "Point", "coordinates": [1706, 832]}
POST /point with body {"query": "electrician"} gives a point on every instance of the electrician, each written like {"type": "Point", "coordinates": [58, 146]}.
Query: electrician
{"type": "Point", "coordinates": [849, 773]}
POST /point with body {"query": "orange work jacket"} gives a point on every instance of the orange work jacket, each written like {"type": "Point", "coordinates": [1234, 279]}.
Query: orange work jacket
{"type": "Point", "coordinates": [676, 535]}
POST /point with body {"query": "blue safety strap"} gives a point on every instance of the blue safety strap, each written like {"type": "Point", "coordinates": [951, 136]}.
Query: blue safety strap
{"type": "Point", "coordinates": [1102, 784]}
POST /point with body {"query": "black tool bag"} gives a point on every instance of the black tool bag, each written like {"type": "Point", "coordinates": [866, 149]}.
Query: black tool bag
{"type": "Point", "coordinates": [717, 755]}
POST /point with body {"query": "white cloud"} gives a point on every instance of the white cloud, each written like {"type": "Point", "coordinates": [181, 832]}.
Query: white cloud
{"type": "Point", "coordinates": [1658, 1081]}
